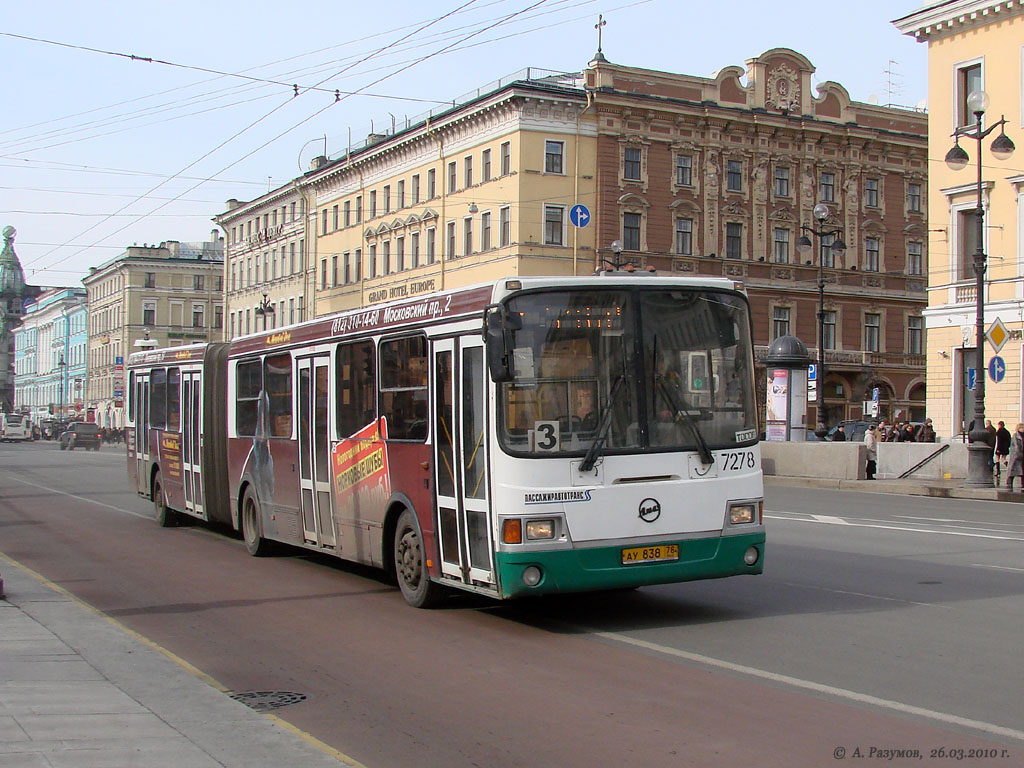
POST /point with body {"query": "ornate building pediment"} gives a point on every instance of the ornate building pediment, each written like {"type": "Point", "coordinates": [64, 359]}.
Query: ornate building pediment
{"type": "Point", "coordinates": [783, 91]}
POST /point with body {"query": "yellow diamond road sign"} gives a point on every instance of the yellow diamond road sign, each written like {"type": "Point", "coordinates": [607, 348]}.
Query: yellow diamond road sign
{"type": "Point", "coordinates": [997, 335]}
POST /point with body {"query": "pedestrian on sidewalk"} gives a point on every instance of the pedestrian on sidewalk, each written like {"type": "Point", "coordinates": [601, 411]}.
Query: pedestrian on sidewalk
{"type": "Point", "coordinates": [871, 443]}
{"type": "Point", "coordinates": [1015, 461]}
{"type": "Point", "coordinates": [1002, 447]}
{"type": "Point", "coordinates": [927, 432]}
{"type": "Point", "coordinates": [840, 435]}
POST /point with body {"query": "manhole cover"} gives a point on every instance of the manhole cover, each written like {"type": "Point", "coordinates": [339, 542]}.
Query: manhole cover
{"type": "Point", "coordinates": [264, 700]}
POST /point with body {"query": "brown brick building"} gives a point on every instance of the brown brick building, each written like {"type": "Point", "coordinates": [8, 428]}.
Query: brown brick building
{"type": "Point", "coordinates": [715, 176]}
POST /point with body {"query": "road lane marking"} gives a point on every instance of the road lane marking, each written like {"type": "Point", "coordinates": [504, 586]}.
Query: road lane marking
{"type": "Point", "coordinates": [774, 515]}
{"type": "Point", "coordinates": [860, 594]}
{"type": "Point", "coordinates": [998, 567]}
{"type": "Point", "coordinates": [81, 498]}
{"type": "Point", "coordinates": [830, 519]}
{"type": "Point", "coordinates": [809, 685]}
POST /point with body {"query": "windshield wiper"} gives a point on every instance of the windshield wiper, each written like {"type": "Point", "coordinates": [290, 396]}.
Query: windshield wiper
{"type": "Point", "coordinates": [605, 423]}
{"type": "Point", "coordinates": [682, 415]}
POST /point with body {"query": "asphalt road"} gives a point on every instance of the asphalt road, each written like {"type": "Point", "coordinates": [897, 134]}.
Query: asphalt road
{"type": "Point", "coordinates": [882, 622]}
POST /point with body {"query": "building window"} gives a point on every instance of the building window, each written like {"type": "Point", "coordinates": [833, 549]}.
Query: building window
{"type": "Point", "coordinates": [198, 316]}
{"type": "Point", "coordinates": [872, 328]}
{"type": "Point", "coordinates": [467, 235]}
{"type": "Point", "coordinates": [334, 270]}
{"type": "Point", "coordinates": [416, 189]}
{"type": "Point", "coordinates": [631, 231]}
{"type": "Point", "coordinates": [198, 282]}
{"type": "Point", "coordinates": [631, 164]}
{"type": "Point", "coordinates": [358, 259]}
{"type": "Point", "coordinates": [400, 202]}
{"type": "Point", "coordinates": [828, 187]}
{"type": "Point", "coordinates": [915, 335]}
{"type": "Point", "coordinates": [915, 259]}
{"type": "Point", "coordinates": [467, 168]}
{"type": "Point", "coordinates": [684, 170]}
{"type": "Point", "coordinates": [506, 158]}
{"type": "Point", "coordinates": [414, 250]}
{"type": "Point", "coordinates": [431, 183]}
{"type": "Point", "coordinates": [914, 198]}
{"type": "Point", "coordinates": [871, 193]}
{"type": "Point", "coordinates": [871, 254]}
{"type": "Point", "coordinates": [826, 255]}
{"type": "Point", "coordinates": [505, 226]}
{"type": "Point", "coordinates": [485, 231]}
{"type": "Point", "coordinates": [371, 267]}
{"type": "Point", "coordinates": [335, 220]}
{"type": "Point", "coordinates": [968, 79]}
{"type": "Point", "coordinates": [780, 322]}
{"type": "Point", "coordinates": [150, 281]}
{"type": "Point", "coordinates": [387, 198]}
{"type": "Point", "coordinates": [400, 254]}
{"type": "Point", "coordinates": [451, 240]}
{"type": "Point", "coordinates": [323, 273]}
{"type": "Point", "coordinates": [553, 152]}
{"type": "Point", "coordinates": [734, 176]}
{"type": "Point", "coordinates": [781, 246]}
{"type": "Point", "coordinates": [829, 328]}
{"type": "Point", "coordinates": [359, 209]}
{"type": "Point", "coordinates": [967, 242]}
{"type": "Point", "coordinates": [385, 258]}
{"type": "Point", "coordinates": [346, 267]}
{"type": "Point", "coordinates": [553, 225]}
{"type": "Point", "coordinates": [149, 313]}
{"type": "Point", "coordinates": [485, 165]}
{"type": "Point", "coordinates": [452, 177]}
{"type": "Point", "coordinates": [781, 182]}
{"type": "Point", "coordinates": [733, 240]}
{"type": "Point", "coordinates": [431, 245]}
{"type": "Point", "coordinates": [684, 237]}
{"type": "Point", "coordinates": [323, 222]}
{"type": "Point", "coordinates": [373, 204]}
{"type": "Point", "coordinates": [347, 213]}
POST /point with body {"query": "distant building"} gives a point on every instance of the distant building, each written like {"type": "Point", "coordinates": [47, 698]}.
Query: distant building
{"type": "Point", "coordinates": [13, 295]}
{"type": "Point", "coordinates": [973, 45]}
{"type": "Point", "coordinates": [170, 294]}
{"type": "Point", "coordinates": [50, 354]}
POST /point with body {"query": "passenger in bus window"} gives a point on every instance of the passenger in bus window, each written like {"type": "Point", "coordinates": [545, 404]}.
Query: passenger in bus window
{"type": "Point", "coordinates": [584, 418]}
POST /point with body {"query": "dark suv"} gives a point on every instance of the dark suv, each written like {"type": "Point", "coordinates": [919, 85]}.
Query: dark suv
{"type": "Point", "coordinates": [80, 434]}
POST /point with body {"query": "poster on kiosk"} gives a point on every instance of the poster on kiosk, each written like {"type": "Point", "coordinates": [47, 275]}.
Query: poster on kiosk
{"type": "Point", "coordinates": [786, 414]}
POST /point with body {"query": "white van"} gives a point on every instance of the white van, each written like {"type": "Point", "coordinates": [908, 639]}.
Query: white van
{"type": "Point", "coordinates": [14, 426]}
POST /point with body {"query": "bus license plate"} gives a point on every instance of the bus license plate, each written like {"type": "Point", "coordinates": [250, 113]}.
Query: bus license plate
{"type": "Point", "coordinates": [656, 554]}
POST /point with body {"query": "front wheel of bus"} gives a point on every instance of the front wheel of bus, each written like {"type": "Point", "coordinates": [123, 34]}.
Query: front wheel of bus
{"type": "Point", "coordinates": [165, 516]}
{"type": "Point", "coordinates": [411, 566]}
{"type": "Point", "coordinates": [252, 527]}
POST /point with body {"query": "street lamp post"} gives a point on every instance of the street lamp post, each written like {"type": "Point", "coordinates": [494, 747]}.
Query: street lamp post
{"type": "Point", "coordinates": [263, 309]}
{"type": "Point", "coordinates": [61, 366]}
{"type": "Point", "coordinates": [838, 247]}
{"type": "Point", "coordinates": [978, 471]}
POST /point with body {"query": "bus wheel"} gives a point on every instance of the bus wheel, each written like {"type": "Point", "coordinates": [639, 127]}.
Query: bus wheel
{"type": "Point", "coordinates": [165, 516]}
{"type": "Point", "coordinates": [252, 527]}
{"type": "Point", "coordinates": [411, 567]}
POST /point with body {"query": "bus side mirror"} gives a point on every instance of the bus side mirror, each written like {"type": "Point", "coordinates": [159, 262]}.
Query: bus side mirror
{"type": "Point", "coordinates": [498, 327]}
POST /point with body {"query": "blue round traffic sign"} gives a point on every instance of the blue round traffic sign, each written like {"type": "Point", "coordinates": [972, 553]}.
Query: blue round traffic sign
{"type": "Point", "coordinates": [579, 215]}
{"type": "Point", "coordinates": [996, 369]}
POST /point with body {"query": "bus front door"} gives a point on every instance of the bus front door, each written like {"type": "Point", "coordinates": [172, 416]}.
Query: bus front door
{"type": "Point", "coordinates": [191, 442]}
{"type": "Point", "coordinates": [315, 453]}
{"type": "Point", "coordinates": [142, 433]}
{"type": "Point", "coordinates": [461, 461]}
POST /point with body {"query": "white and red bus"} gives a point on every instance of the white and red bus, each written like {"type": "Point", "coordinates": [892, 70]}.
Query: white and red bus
{"type": "Point", "coordinates": [529, 436]}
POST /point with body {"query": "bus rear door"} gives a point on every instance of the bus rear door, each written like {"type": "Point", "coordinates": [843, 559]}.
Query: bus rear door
{"type": "Point", "coordinates": [191, 442]}
{"type": "Point", "coordinates": [142, 432]}
{"type": "Point", "coordinates": [461, 461]}
{"type": "Point", "coordinates": [315, 452]}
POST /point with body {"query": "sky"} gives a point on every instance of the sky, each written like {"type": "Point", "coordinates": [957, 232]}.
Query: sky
{"type": "Point", "coordinates": [133, 122]}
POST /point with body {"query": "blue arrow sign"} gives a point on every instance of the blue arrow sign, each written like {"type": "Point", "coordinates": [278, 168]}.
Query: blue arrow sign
{"type": "Point", "coordinates": [579, 215]}
{"type": "Point", "coordinates": [996, 369]}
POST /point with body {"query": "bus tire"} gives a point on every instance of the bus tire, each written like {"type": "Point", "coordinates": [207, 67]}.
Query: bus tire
{"type": "Point", "coordinates": [165, 516]}
{"type": "Point", "coordinates": [252, 527]}
{"type": "Point", "coordinates": [411, 565]}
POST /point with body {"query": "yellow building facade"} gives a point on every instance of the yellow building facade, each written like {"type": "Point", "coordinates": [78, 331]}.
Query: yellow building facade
{"type": "Point", "coordinates": [973, 44]}
{"type": "Point", "coordinates": [481, 191]}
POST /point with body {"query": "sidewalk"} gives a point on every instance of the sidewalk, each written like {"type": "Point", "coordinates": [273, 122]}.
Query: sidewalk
{"type": "Point", "coordinates": [943, 489]}
{"type": "Point", "coordinates": [79, 691]}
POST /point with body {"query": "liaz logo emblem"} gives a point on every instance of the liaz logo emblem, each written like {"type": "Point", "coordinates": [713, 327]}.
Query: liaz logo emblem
{"type": "Point", "coordinates": [650, 510]}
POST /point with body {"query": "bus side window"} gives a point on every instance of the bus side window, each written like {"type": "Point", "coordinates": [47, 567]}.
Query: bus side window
{"type": "Point", "coordinates": [403, 387]}
{"type": "Point", "coordinates": [357, 387]}
{"type": "Point", "coordinates": [174, 399]}
{"type": "Point", "coordinates": [158, 398]}
{"type": "Point", "coordinates": [277, 380]}
{"type": "Point", "coordinates": [248, 383]}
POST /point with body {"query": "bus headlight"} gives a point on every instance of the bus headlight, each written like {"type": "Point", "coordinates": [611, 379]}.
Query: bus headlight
{"type": "Point", "coordinates": [540, 529]}
{"type": "Point", "coordinates": [531, 575]}
{"type": "Point", "coordinates": [751, 555]}
{"type": "Point", "coordinates": [742, 514]}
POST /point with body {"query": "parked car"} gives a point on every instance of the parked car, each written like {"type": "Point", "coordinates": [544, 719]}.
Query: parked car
{"type": "Point", "coordinates": [80, 434]}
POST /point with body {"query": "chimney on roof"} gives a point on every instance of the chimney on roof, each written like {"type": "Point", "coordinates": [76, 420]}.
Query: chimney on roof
{"type": "Point", "coordinates": [317, 162]}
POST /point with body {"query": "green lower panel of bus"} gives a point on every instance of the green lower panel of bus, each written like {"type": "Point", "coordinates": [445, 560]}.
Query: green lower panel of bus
{"type": "Point", "coordinates": [580, 570]}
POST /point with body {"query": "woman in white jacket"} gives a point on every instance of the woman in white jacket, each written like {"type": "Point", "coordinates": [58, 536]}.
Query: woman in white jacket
{"type": "Point", "coordinates": [871, 443]}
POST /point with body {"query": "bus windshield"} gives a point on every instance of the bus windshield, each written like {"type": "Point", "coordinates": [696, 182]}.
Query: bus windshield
{"type": "Point", "coordinates": [628, 370]}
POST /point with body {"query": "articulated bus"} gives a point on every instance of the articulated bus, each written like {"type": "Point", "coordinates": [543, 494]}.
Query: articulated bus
{"type": "Point", "coordinates": [528, 436]}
